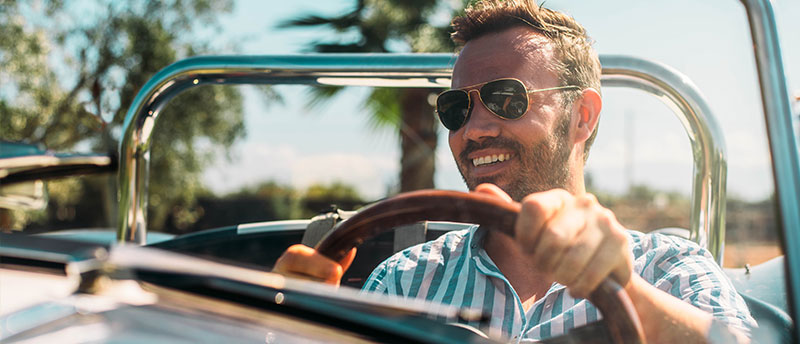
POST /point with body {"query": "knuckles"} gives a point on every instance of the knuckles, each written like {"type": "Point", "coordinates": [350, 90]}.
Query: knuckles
{"type": "Point", "coordinates": [587, 200]}
{"type": "Point", "coordinates": [533, 205]}
{"type": "Point", "coordinates": [556, 238]}
{"type": "Point", "coordinates": [555, 241]}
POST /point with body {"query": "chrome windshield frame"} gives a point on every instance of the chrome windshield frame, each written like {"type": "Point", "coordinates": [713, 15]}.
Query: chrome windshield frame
{"type": "Point", "coordinates": [411, 70]}
{"type": "Point", "coordinates": [776, 102]}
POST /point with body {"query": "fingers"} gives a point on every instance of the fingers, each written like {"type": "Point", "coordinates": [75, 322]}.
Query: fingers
{"type": "Point", "coordinates": [494, 190]}
{"type": "Point", "coordinates": [538, 210]}
{"type": "Point", "coordinates": [347, 260]}
{"type": "Point", "coordinates": [304, 262]}
{"type": "Point", "coordinates": [579, 255]}
{"type": "Point", "coordinates": [573, 240]}
{"type": "Point", "coordinates": [607, 261]}
{"type": "Point", "coordinates": [565, 233]}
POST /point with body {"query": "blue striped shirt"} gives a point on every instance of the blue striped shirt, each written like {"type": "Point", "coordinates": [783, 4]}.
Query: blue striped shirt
{"type": "Point", "coordinates": [455, 270]}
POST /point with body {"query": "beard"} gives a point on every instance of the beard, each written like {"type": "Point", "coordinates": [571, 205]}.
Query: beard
{"type": "Point", "coordinates": [542, 166]}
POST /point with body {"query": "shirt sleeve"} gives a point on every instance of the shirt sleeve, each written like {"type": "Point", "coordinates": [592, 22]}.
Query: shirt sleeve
{"type": "Point", "coordinates": [375, 283]}
{"type": "Point", "coordinates": [689, 272]}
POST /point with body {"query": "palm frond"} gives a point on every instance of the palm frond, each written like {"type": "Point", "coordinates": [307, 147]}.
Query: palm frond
{"type": "Point", "coordinates": [338, 48]}
{"type": "Point", "coordinates": [270, 96]}
{"type": "Point", "coordinates": [310, 20]}
{"type": "Point", "coordinates": [384, 107]}
{"type": "Point", "coordinates": [339, 23]}
{"type": "Point", "coordinates": [319, 95]}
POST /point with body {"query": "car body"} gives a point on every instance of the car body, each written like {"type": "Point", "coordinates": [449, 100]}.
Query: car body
{"type": "Point", "coordinates": [139, 287]}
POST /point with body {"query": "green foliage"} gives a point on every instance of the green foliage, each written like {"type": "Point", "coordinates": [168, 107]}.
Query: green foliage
{"type": "Point", "coordinates": [333, 191]}
{"type": "Point", "coordinates": [284, 201]}
{"type": "Point", "coordinates": [321, 197]}
{"type": "Point", "coordinates": [319, 95]}
{"type": "Point", "coordinates": [384, 106]}
{"type": "Point", "coordinates": [70, 72]}
{"type": "Point", "coordinates": [373, 24]}
{"type": "Point", "coordinates": [267, 201]}
{"type": "Point", "coordinates": [391, 26]}
{"type": "Point", "coordinates": [408, 24]}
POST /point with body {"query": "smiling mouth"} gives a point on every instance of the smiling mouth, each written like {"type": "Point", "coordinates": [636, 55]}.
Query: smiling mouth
{"type": "Point", "coordinates": [490, 159]}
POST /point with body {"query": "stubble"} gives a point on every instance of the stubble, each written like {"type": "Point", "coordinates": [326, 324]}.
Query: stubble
{"type": "Point", "coordinates": [541, 167]}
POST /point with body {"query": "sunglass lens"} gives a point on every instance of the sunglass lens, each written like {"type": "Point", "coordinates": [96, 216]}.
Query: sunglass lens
{"type": "Point", "coordinates": [453, 108]}
{"type": "Point", "coordinates": [506, 98]}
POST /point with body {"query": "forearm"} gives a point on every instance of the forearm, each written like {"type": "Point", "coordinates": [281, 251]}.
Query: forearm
{"type": "Point", "coordinates": [665, 318]}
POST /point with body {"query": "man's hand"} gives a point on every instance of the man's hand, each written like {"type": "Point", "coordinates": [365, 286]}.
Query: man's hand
{"type": "Point", "coordinates": [570, 239]}
{"type": "Point", "coordinates": [578, 243]}
{"type": "Point", "coordinates": [301, 261]}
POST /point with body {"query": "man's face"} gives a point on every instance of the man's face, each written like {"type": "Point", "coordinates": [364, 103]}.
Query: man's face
{"type": "Point", "coordinates": [538, 145]}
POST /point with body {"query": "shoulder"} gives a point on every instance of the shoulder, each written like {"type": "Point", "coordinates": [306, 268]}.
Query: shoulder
{"type": "Point", "coordinates": [687, 271]}
{"type": "Point", "coordinates": [674, 264]}
{"type": "Point", "coordinates": [660, 246]}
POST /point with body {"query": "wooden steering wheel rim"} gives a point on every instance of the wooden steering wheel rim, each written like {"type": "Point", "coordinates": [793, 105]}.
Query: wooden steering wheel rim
{"type": "Point", "coordinates": [485, 210]}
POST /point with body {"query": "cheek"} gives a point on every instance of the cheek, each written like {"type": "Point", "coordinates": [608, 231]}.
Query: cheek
{"type": "Point", "coordinates": [536, 124]}
{"type": "Point", "coordinates": [455, 146]}
{"type": "Point", "coordinates": [527, 130]}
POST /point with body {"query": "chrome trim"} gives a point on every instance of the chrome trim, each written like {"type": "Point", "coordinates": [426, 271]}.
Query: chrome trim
{"type": "Point", "coordinates": [30, 162]}
{"type": "Point", "coordinates": [290, 225]}
{"type": "Point", "coordinates": [783, 145]}
{"type": "Point", "coordinates": [272, 226]}
{"type": "Point", "coordinates": [447, 226]}
{"type": "Point", "coordinates": [408, 70]}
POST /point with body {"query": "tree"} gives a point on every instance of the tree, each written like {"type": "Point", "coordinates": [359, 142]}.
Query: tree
{"type": "Point", "coordinates": [377, 24]}
{"type": "Point", "coordinates": [320, 198]}
{"type": "Point", "coordinates": [267, 201]}
{"type": "Point", "coordinates": [69, 73]}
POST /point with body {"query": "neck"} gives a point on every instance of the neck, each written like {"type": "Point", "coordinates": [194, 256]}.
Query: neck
{"type": "Point", "coordinates": [575, 181]}
{"type": "Point", "coordinates": [507, 255]}
{"type": "Point", "coordinates": [576, 185]}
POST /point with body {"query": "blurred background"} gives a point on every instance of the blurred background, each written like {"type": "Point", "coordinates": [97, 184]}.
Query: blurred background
{"type": "Point", "coordinates": [224, 155]}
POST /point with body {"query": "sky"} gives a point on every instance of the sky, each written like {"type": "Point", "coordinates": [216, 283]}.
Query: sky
{"type": "Point", "coordinates": [639, 142]}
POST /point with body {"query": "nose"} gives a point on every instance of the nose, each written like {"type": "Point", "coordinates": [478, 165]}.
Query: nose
{"type": "Point", "coordinates": [481, 123]}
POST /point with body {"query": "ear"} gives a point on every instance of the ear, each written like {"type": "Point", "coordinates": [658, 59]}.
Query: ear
{"type": "Point", "coordinates": [588, 108]}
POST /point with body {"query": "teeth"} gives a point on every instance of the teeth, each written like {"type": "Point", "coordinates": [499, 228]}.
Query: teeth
{"type": "Point", "coordinates": [490, 159]}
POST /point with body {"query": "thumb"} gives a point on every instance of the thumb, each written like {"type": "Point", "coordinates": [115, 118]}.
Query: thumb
{"type": "Point", "coordinates": [494, 190]}
{"type": "Point", "coordinates": [348, 259]}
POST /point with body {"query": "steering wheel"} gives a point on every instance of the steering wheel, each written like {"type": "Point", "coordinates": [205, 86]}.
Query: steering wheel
{"type": "Point", "coordinates": [619, 316]}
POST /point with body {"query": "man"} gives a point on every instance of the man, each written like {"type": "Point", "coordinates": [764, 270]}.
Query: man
{"type": "Point", "coordinates": [522, 114]}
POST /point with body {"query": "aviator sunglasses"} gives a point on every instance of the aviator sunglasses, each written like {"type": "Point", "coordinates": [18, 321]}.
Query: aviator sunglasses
{"type": "Point", "coordinates": [506, 98]}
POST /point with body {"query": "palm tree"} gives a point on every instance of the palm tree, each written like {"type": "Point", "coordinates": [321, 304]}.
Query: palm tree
{"type": "Point", "coordinates": [379, 22]}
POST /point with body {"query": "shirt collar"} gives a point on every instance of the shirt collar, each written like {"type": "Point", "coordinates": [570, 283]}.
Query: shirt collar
{"type": "Point", "coordinates": [475, 240]}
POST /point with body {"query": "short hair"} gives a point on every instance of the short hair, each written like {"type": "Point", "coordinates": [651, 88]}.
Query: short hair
{"type": "Point", "coordinates": [577, 62]}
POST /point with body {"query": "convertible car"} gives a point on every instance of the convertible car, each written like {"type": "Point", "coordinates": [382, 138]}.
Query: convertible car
{"type": "Point", "coordinates": [215, 285]}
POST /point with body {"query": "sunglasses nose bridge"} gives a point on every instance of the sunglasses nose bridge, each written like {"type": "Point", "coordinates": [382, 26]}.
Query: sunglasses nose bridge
{"type": "Point", "coordinates": [479, 100]}
{"type": "Point", "coordinates": [472, 100]}
{"type": "Point", "coordinates": [481, 120]}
